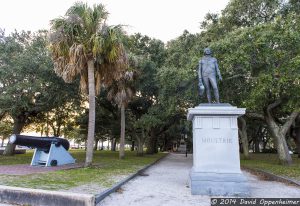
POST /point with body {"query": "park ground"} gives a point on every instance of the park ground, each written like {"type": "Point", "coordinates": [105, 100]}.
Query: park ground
{"type": "Point", "coordinates": [269, 162]}
{"type": "Point", "coordinates": [108, 169]}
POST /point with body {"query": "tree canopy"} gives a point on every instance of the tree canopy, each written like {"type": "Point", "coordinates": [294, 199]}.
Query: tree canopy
{"type": "Point", "coordinates": [257, 44]}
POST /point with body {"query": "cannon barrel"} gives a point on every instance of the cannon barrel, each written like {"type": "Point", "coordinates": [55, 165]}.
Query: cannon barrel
{"type": "Point", "coordinates": [38, 142]}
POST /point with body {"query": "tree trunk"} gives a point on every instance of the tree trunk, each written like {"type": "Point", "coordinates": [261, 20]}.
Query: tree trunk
{"type": "Point", "coordinates": [19, 123]}
{"type": "Point", "coordinates": [297, 141]}
{"type": "Point", "coordinates": [256, 146]}
{"type": "Point", "coordinates": [282, 148]}
{"type": "Point", "coordinates": [102, 141]}
{"type": "Point", "coordinates": [296, 136]}
{"type": "Point", "coordinates": [244, 137]}
{"type": "Point", "coordinates": [279, 133]}
{"type": "Point", "coordinates": [113, 144]}
{"type": "Point", "coordinates": [140, 146]}
{"type": "Point", "coordinates": [132, 145]}
{"type": "Point", "coordinates": [3, 138]}
{"type": "Point", "coordinates": [47, 125]}
{"type": "Point", "coordinates": [54, 131]}
{"type": "Point", "coordinates": [165, 143]}
{"type": "Point", "coordinates": [96, 144]}
{"type": "Point", "coordinates": [256, 139]}
{"type": "Point", "coordinates": [42, 130]}
{"type": "Point", "coordinates": [58, 130]}
{"type": "Point", "coordinates": [152, 143]}
{"type": "Point", "coordinates": [122, 137]}
{"type": "Point", "coordinates": [107, 143]}
{"type": "Point", "coordinates": [92, 115]}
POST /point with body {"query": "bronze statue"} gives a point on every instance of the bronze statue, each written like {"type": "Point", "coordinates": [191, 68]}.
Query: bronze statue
{"type": "Point", "coordinates": [208, 73]}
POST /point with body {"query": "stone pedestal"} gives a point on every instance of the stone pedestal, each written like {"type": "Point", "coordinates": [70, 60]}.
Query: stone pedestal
{"type": "Point", "coordinates": [216, 160]}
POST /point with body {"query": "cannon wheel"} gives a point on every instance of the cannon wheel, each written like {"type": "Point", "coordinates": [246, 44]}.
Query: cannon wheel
{"type": "Point", "coordinates": [53, 163]}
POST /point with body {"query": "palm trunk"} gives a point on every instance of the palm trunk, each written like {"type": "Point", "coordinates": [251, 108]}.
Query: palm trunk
{"type": "Point", "coordinates": [92, 115]}
{"type": "Point", "coordinates": [122, 138]}
{"type": "Point", "coordinates": [244, 137]}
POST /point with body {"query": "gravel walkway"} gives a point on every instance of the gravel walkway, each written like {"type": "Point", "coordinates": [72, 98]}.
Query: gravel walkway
{"type": "Point", "coordinates": [167, 185]}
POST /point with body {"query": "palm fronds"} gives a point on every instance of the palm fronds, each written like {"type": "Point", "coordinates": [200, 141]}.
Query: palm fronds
{"type": "Point", "coordinates": [82, 35]}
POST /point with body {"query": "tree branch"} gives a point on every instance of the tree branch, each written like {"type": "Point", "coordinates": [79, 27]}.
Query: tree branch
{"type": "Point", "coordinates": [234, 76]}
{"type": "Point", "coordinates": [273, 105]}
{"type": "Point", "coordinates": [255, 115]}
{"type": "Point", "coordinates": [289, 122]}
{"type": "Point", "coordinates": [109, 108]}
{"type": "Point", "coordinates": [2, 115]}
{"type": "Point", "coordinates": [171, 121]}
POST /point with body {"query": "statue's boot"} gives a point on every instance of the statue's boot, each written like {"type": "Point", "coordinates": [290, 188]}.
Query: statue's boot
{"type": "Point", "coordinates": [216, 93]}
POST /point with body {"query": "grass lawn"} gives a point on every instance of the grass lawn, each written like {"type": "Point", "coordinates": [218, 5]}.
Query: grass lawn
{"type": "Point", "coordinates": [270, 163]}
{"type": "Point", "coordinates": [108, 168]}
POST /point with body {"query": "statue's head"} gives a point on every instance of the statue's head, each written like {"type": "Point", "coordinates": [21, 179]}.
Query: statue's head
{"type": "Point", "coordinates": [207, 51]}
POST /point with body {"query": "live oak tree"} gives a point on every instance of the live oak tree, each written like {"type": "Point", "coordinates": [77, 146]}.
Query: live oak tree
{"type": "Point", "coordinates": [28, 84]}
{"type": "Point", "coordinates": [256, 45]}
{"type": "Point", "coordinates": [150, 54]}
{"type": "Point", "coordinates": [266, 57]}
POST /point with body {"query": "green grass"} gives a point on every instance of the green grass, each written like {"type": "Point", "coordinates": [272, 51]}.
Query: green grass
{"type": "Point", "coordinates": [107, 167]}
{"type": "Point", "coordinates": [270, 163]}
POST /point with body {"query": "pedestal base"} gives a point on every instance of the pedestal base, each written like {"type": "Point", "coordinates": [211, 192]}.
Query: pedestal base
{"type": "Point", "coordinates": [219, 184]}
{"type": "Point", "coordinates": [216, 160]}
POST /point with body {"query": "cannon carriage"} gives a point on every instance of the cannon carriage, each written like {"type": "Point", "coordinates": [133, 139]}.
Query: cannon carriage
{"type": "Point", "coordinates": [49, 151]}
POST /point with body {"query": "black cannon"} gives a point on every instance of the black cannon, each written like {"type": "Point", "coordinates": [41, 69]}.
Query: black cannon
{"type": "Point", "coordinates": [49, 151]}
{"type": "Point", "coordinates": [38, 142]}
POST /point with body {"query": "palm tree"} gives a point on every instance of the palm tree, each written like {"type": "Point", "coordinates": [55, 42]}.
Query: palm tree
{"type": "Point", "coordinates": [83, 45]}
{"type": "Point", "coordinates": [121, 93]}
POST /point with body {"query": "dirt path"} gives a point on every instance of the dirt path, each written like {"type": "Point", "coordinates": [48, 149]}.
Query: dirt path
{"type": "Point", "coordinates": [167, 185]}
